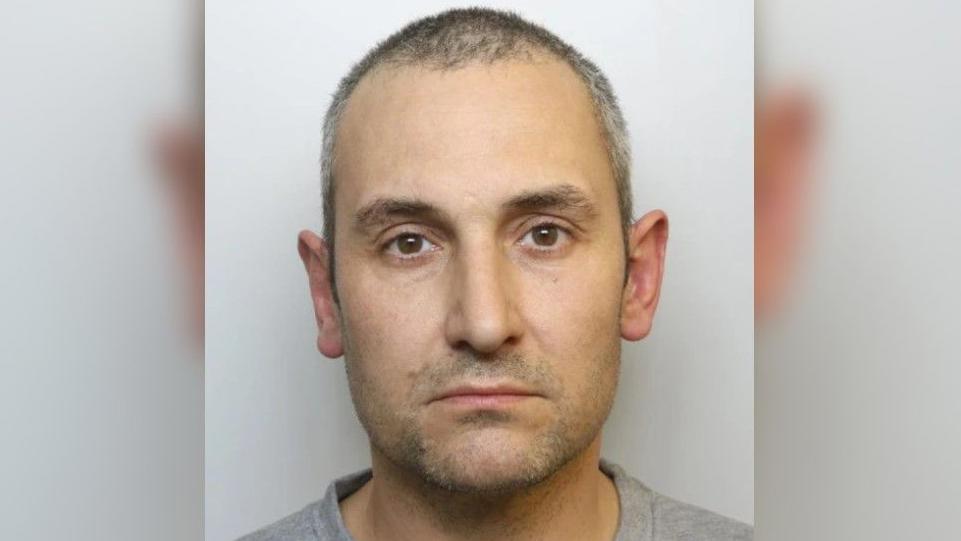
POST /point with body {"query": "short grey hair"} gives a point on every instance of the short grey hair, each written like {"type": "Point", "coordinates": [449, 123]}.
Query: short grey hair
{"type": "Point", "coordinates": [455, 38]}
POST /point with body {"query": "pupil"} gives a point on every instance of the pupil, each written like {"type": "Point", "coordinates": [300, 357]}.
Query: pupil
{"type": "Point", "coordinates": [546, 236]}
{"type": "Point", "coordinates": [410, 244]}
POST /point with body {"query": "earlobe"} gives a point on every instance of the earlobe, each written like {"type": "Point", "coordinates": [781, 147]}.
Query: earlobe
{"type": "Point", "coordinates": [647, 245]}
{"type": "Point", "coordinates": [313, 252]}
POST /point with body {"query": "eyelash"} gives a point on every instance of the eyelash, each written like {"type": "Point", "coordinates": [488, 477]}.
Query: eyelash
{"type": "Point", "coordinates": [385, 247]}
{"type": "Point", "coordinates": [548, 249]}
{"type": "Point", "coordinates": [403, 257]}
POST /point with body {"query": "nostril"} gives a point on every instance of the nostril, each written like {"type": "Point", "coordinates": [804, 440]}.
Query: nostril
{"type": "Point", "coordinates": [481, 316]}
{"type": "Point", "coordinates": [466, 351]}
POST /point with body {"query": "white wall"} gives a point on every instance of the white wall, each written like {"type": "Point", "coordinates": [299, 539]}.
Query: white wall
{"type": "Point", "coordinates": [101, 404]}
{"type": "Point", "coordinates": [858, 405]}
{"type": "Point", "coordinates": [279, 422]}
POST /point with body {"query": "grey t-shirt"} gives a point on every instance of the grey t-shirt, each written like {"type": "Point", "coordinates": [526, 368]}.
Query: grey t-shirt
{"type": "Point", "coordinates": [645, 516]}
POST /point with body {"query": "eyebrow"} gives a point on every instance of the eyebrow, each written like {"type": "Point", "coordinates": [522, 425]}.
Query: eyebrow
{"type": "Point", "coordinates": [383, 210]}
{"type": "Point", "coordinates": [563, 197]}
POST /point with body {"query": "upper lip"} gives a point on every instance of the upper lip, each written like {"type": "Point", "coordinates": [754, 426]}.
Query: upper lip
{"type": "Point", "coordinates": [475, 389]}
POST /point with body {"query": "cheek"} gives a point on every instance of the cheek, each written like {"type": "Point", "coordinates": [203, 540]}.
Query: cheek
{"type": "Point", "coordinates": [576, 300]}
{"type": "Point", "coordinates": [573, 318]}
{"type": "Point", "coordinates": [389, 332]}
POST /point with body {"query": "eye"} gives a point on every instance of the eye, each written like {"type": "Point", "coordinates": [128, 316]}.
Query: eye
{"type": "Point", "coordinates": [546, 237]}
{"type": "Point", "coordinates": [409, 245]}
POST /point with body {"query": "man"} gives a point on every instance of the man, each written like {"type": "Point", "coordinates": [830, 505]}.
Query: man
{"type": "Point", "coordinates": [477, 271]}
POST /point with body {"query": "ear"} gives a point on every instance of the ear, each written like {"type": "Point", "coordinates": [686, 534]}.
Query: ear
{"type": "Point", "coordinates": [313, 252]}
{"type": "Point", "coordinates": [784, 132]}
{"type": "Point", "coordinates": [784, 138]}
{"type": "Point", "coordinates": [647, 244]}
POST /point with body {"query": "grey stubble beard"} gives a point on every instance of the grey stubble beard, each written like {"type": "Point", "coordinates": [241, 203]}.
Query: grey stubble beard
{"type": "Point", "coordinates": [398, 437]}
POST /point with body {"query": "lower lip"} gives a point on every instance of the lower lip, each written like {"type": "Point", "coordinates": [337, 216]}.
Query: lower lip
{"type": "Point", "coordinates": [485, 400]}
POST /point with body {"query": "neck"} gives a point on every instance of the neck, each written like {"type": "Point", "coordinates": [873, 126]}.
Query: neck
{"type": "Point", "coordinates": [576, 502]}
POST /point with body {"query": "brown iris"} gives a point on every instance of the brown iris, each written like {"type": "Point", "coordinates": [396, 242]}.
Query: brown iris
{"type": "Point", "coordinates": [545, 235]}
{"type": "Point", "coordinates": [410, 244]}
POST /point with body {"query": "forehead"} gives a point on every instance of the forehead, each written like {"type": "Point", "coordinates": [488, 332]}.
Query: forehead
{"type": "Point", "coordinates": [480, 132]}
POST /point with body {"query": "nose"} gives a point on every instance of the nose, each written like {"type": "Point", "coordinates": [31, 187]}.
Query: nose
{"type": "Point", "coordinates": [483, 313]}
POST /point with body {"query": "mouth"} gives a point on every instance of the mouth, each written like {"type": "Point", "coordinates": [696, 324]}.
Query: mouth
{"type": "Point", "coordinates": [485, 396]}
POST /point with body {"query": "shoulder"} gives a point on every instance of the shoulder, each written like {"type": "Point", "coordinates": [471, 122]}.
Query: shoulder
{"type": "Point", "coordinates": [298, 526]}
{"type": "Point", "coordinates": [648, 515]}
{"type": "Point", "coordinates": [678, 520]}
{"type": "Point", "coordinates": [319, 521]}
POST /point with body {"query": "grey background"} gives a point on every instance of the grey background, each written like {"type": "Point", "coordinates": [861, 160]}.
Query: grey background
{"type": "Point", "coordinates": [858, 404]}
{"type": "Point", "coordinates": [279, 422]}
{"type": "Point", "coordinates": [101, 384]}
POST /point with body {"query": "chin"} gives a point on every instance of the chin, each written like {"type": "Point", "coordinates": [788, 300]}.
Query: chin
{"type": "Point", "coordinates": [490, 461]}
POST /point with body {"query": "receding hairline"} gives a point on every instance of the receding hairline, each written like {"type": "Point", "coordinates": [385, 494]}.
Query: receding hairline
{"type": "Point", "coordinates": [383, 74]}
{"type": "Point", "coordinates": [530, 54]}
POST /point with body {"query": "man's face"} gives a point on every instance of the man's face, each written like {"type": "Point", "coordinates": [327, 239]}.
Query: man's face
{"type": "Point", "coordinates": [480, 265]}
